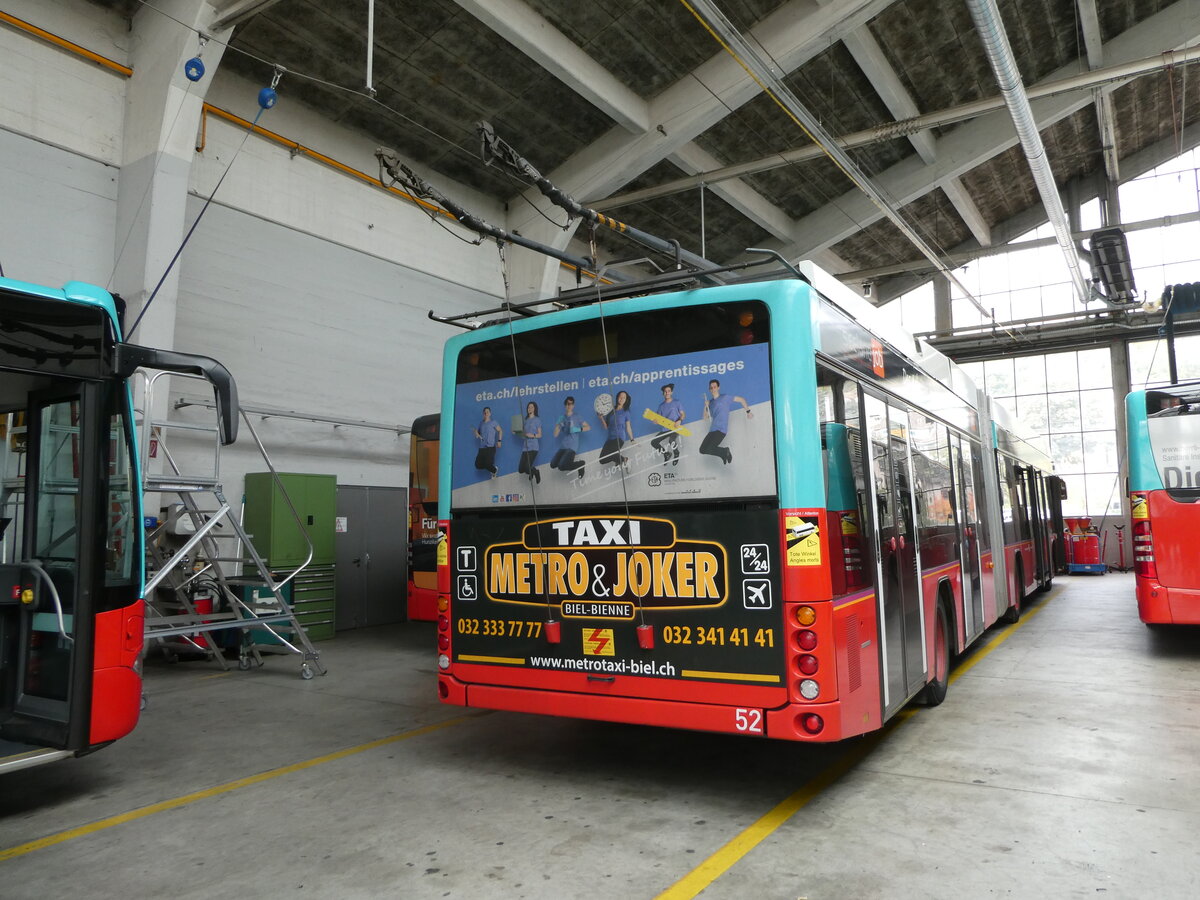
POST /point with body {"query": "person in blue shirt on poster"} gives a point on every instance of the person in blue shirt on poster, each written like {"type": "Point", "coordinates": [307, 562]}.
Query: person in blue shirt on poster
{"type": "Point", "coordinates": [532, 429]}
{"type": "Point", "coordinates": [619, 426]}
{"type": "Point", "coordinates": [490, 436]}
{"type": "Point", "coordinates": [667, 442]}
{"type": "Point", "coordinates": [718, 406]}
{"type": "Point", "coordinates": [567, 430]}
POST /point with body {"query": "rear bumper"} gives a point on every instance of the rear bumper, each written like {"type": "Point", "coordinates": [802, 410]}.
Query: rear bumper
{"type": "Point", "coordinates": [1158, 604]}
{"type": "Point", "coordinates": [781, 724]}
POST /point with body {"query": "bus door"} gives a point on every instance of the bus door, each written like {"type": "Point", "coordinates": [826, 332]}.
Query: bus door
{"type": "Point", "coordinates": [903, 644]}
{"type": "Point", "coordinates": [967, 515]}
{"type": "Point", "coordinates": [1034, 527]}
{"type": "Point", "coordinates": [47, 595]}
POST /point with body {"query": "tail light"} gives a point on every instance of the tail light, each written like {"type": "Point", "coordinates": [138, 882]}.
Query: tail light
{"type": "Point", "coordinates": [1143, 550]}
{"type": "Point", "coordinates": [443, 624]}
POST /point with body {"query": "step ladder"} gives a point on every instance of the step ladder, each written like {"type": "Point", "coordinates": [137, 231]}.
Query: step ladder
{"type": "Point", "coordinates": [218, 555]}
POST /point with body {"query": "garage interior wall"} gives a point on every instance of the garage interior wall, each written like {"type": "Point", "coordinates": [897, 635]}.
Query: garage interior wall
{"type": "Point", "coordinates": [312, 286]}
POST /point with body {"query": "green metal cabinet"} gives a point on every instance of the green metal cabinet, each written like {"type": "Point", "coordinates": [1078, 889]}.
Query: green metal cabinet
{"type": "Point", "coordinates": [272, 526]}
{"type": "Point", "coordinates": [280, 540]}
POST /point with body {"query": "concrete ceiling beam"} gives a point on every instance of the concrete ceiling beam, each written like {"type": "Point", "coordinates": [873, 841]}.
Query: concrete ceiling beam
{"type": "Point", "coordinates": [751, 204]}
{"type": "Point", "coordinates": [891, 90]}
{"type": "Point", "coordinates": [974, 143]}
{"type": "Point", "coordinates": [916, 272]}
{"type": "Point", "coordinates": [231, 13]}
{"type": "Point", "coordinates": [534, 36]}
{"type": "Point", "coordinates": [791, 36]}
{"type": "Point", "coordinates": [1089, 21]}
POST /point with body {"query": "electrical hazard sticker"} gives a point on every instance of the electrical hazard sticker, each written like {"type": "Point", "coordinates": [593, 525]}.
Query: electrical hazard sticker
{"type": "Point", "coordinates": [598, 642]}
{"type": "Point", "coordinates": [803, 540]}
{"type": "Point", "coordinates": [1138, 507]}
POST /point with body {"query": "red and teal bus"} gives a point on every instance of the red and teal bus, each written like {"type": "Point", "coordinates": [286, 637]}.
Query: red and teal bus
{"type": "Point", "coordinates": [423, 537]}
{"type": "Point", "coordinates": [71, 532]}
{"type": "Point", "coordinates": [742, 508]}
{"type": "Point", "coordinates": [1163, 428]}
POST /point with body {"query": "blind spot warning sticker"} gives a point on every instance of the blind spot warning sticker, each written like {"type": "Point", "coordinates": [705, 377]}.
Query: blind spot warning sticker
{"type": "Point", "coordinates": [803, 540]}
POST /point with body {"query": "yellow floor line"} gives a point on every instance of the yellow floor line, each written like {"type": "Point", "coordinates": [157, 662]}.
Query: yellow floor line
{"type": "Point", "coordinates": [725, 858]}
{"type": "Point", "coordinates": [175, 803]}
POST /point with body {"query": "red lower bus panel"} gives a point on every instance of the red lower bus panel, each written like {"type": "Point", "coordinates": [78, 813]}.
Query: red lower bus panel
{"type": "Point", "coordinates": [539, 682]}
{"type": "Point", "coordinates": [859, 706]}
{"type": "Point", "coordinates": [423, 601]}
{"type": "Point", "coordinates": [116, 684]}
{"type": "Point", "coordinates": [1171, 606]}
{"type": "Point", "coordinates": [116, 701]}
{"type": "Point", "coordinates": [660, 713]}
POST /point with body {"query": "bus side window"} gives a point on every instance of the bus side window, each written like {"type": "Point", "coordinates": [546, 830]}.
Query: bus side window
{"type": "Point", "coordinates": [845, 487]}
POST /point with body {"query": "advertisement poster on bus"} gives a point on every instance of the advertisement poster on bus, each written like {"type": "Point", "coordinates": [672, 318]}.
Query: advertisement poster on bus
{"type": "Point", "coordinates": [683, 427]}
{"type": "Point", "coordinates": [1175, 441]}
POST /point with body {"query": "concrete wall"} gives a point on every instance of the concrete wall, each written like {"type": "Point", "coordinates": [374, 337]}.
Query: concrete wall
{"type": "Point", "coordinates": [312, 326]}
{"type": "Point", "coordinates": [311, 286]}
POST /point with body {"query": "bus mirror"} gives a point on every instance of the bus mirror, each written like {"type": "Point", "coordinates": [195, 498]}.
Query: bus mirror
{"type": "Point", "coordinates": [130, 357]}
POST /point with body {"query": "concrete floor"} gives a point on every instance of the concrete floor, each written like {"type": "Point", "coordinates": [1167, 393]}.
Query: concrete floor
{"type": "Point", "coordinates": [1062, 764]}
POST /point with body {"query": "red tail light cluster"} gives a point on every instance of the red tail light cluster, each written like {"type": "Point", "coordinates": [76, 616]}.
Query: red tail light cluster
{"type": "Point", "coordinates": [810, 657]}
{"type": "Point", "coordinates": [443, 624]}
{"type": "Point", "coordinates": [1143, 550]}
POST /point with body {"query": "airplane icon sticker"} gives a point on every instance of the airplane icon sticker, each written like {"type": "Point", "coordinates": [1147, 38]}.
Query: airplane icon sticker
{"type": "Point", "coordinates": [756, 593]}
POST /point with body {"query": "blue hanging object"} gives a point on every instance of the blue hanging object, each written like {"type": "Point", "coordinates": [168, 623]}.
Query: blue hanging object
{"type": "Point", "coordinates": [267, 97]}
{"type": "Point", "coordinates": [194, 69]}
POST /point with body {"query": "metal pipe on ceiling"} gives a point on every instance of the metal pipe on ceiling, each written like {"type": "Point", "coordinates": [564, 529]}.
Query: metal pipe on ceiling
{"type": "Point", "coordinates": [995, 44]}
{"type": "Point", "coordinates": [902, 128]}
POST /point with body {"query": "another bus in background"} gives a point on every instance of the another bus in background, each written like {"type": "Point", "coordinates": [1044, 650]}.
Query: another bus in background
{"type": "Point", "coordinates": [1163, 428]}
{"type": "Point", "coordinates": [808, 521]}
{"type": "Point", "coordinates": [71, 527]}
{"type": "Point", "coordinates": [1030, 508]}
{"type": "Point", "coordinates": [423, 535]}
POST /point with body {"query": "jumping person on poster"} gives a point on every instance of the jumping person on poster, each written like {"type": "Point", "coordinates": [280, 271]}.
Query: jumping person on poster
{"type": "Point", "coordinates": [490, 436]}
{"type": "Point", "coordinates": [618, 423]}
{"type": "Point", "coordinates": [567, 429]}
{"type": "Point", "coordinates": [667, 442]}
{"type": "Point", "coordinates": [532, 429]}
{"type": "Point", "coordinates": [718, 406]}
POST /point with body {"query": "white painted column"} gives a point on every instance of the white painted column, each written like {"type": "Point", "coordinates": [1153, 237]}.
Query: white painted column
{"type": "Point", "coordinates": [161, 118]}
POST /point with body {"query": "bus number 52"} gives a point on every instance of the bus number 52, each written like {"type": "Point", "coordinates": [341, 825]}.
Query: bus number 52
{"type": "Point", "coordinates": [749, 720]}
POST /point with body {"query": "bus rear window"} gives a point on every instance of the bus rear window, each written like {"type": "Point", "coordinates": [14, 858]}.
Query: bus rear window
{"type": "Point", "coordinates": [647, 407]}
{"type": "Point", "coordinates": [1175, 444]}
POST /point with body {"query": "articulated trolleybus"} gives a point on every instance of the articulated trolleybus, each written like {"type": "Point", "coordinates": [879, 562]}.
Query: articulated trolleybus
{"type": "Point", "coordinates": [71, 573]}
{"type": "Point", "coordinates": [736, 508]}
{"type": "Point", "coordinates": [1164, 483]}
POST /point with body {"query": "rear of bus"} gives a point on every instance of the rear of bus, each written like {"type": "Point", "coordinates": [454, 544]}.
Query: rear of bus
{"type": "Point", "coordinates": [1164, 483]}
{"type": "Point", "coordinates": [423, 537]}
{"type": "Point", "coordinates": [680, 578]}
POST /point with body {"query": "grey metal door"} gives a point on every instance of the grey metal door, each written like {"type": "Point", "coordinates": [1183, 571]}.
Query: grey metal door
{"type": "Point", "coordinates": [372, 555]}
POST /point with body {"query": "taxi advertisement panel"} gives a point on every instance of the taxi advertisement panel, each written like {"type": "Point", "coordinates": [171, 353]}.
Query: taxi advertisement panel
{"type": "Point", "coordinates": [707, 584]}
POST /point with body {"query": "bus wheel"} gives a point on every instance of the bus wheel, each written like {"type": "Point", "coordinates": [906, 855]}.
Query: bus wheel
{"type": "Point", "coordinates": [1013, 613]}
{"type": "Point", "coordinates": [935, 691]}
